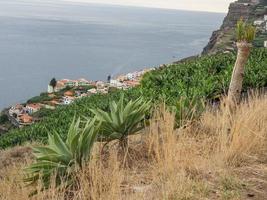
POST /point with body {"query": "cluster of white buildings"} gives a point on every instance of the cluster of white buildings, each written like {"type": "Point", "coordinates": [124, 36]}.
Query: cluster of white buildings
{"type": "Point", "coordinates": [99, 87]}
{"type": "Point", "coordinates": [262, 25]}
{"type": "Point", "coordinates": [61, 84]}
{"type": "Point", "coordinates": [129, 80]}
{"type": "Point", "coordinates": [21, 114]}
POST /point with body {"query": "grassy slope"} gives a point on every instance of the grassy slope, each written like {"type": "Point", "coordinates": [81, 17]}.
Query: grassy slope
{"type": "Point", "coordinates": [203, 78]}
{"type": "Point", "coordinates": [202, 161]}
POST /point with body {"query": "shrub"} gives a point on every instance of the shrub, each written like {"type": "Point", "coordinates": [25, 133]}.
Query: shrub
{"type": "Point", "coordinates": [60, 158]}
{"type": "Point", "coordinates": [122, 120]}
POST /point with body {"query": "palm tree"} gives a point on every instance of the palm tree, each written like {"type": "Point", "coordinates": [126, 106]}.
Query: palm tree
{"type": "Point", "coordinates": [122, 120]}
{"type": "Point", "coordinates": [60, 158]}
{"type": "Point", "coordinates": [245, 35]}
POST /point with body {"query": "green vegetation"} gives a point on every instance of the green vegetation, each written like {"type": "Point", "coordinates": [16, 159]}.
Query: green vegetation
{"type": "Point", "coordinates": [3, 118]}
{"type": "Point", "coordinates": [259, 41]}
{"type": "Point", "coordinates": [245, 32]}
{"type": "Point", "coordinates": [122, 120]}
{"type": "Point", "coordinates": [205, 78]}
{"type": "Point", "coordinates": [61, 159]}
{"type": "Point", "coordinates": [38, 99]}
{"type": "Point", "coordinates": [178, 85]}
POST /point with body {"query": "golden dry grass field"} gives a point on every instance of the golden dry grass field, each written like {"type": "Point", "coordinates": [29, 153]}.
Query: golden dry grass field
{"type": "Point", "coordinates": [220, 156]}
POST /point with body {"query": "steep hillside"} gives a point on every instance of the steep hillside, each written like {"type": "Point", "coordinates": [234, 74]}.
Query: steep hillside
{"type": "Point", "coordinates": [224, 39]}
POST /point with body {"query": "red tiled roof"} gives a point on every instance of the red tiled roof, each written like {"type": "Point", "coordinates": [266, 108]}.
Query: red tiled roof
{"type": "Point", "coordinates": [68, 93]}
{"type": "Point", "coordinates": [26, 118]}
{"type": "Point", "coordinates": [34, 106]}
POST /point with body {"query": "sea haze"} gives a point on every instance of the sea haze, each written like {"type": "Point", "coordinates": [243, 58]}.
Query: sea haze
{"type": "Point", "coordinates": [42, 39]}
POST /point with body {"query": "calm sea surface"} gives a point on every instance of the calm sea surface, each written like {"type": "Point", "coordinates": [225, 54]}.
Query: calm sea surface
{"type": "Point", "coordinates": [42, 39]}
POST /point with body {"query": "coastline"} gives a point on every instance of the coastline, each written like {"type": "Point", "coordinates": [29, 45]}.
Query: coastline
{"type": "Point", "coordinates": [64, 92]}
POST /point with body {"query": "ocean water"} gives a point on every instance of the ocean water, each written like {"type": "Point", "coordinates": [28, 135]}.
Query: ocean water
{"type": "Point", "coordinates": [42, 39]}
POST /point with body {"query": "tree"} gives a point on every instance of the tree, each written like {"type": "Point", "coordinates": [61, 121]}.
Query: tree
{"type": "Point", "coordinates": [109, 78]}
{"type": "Point", "coordinates": [53, 83]}
{"type": "Point", "coordinates": [245, 34]}
{"type": "Point", "coordinates": [3, 118]}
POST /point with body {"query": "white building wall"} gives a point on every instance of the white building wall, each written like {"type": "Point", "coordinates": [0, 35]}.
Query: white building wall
{"type": "Point", "coordinates": [50, 89]}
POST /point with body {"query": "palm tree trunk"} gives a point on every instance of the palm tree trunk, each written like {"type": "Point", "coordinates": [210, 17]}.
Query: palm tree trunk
{"type": "Point", "coordinates": [235, 87]}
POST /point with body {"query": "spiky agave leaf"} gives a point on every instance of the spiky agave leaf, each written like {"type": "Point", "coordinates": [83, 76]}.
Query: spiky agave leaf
{"type": "Point", "coordinates": [122, 120]}
{"type": "Point", "coordinates": [60, 158]}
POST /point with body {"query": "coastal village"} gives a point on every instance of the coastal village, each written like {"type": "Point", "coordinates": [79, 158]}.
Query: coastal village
{"type": "Point", "coordinates": [66, 91]}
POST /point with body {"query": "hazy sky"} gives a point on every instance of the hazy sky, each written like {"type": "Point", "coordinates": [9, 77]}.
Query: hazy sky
{"type": "Point", "coordinates": [201, 5]}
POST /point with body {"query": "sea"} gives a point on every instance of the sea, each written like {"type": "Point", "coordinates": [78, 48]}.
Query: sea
{"type": "Point", "coordinates": [42, 39]}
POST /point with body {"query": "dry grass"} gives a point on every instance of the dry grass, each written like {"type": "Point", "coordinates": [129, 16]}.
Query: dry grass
{"type": "Point", "coordinates": [221, 156]}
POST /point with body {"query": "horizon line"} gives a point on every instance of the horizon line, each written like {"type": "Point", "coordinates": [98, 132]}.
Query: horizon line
{"type": "Point", "coordinates": [140, 6]}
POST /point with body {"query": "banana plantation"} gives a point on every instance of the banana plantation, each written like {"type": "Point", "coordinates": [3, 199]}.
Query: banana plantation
{"type": "Point", "coordinates": [181, 86]}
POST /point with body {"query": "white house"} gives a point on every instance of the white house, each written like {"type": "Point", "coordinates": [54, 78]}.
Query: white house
{"type": "Point", "coordinates": [68, 100]}
{"type": "Point", "coordinates": [115, 83]}
{"type": "Point", "coordinates": [100, 84]}
{"type": "Point", "coordinates": [17, 109]}
{"type": "Point", "coordinates": [265, 17]}
{"type": "Point", "coordinates": [130, 76]}
{"type": "Point", "coordinates": [32, 108]}
{"type": "Point", "coordinates": [50, 89]}
{"type": "Point", "coordinates": [82, 82]}
{"type": "Point", "coordinates": [265, 43]}
{"type": "Point", "coordinates": [258, 22]}
{"type": "Point", "coordinates": [92, 91]}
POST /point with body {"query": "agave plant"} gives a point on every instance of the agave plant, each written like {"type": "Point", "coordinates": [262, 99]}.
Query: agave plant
{"type": "Point", "coordinates": [122, 120]}
{"type": "Point", "coordinates": [60, 158]}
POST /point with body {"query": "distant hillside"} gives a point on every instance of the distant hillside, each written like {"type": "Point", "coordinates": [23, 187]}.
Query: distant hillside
{"type": "Point", "coordinates": [224, 39]}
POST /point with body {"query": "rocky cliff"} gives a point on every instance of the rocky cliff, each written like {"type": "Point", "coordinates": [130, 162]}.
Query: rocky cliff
{"type": "Point", "coordinates": [224, 39]}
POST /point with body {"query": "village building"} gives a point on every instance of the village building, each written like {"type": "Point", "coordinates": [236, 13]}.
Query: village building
{"type": "Point", "coordinates": [116, 83]}
{"type": "Point", "coordinates": [60, 85]}
{"type": "Point", "coordinates": [32, 108]}
{"type": "Point", "coordinates": [121, 78]}
{"type": "Point", "coordinates": [100, 85]}
{"type": "Point", "coordinates": [258, 22]}
{"type": "Point", "coordinates": [102, 90]}
{"type": "Point", "coordinates": [50, 89]}
{"type": "Point", "coordinates": [92, 91]}
{"type": "Point", "coordinates": [73, 83]}
{"type": "Point", "coordinates": [130, 76]}
{"type": "Point", "coordinates": [68, 100]}
{"type": "Point", "coordinates": [265, 43]}
{"type": "Point", "coordinates": [82, 82]}
{"type": "Point", "coordinates": [17, 109]}
{"type": "Point", "coordinates": [25, 119]}
{"type": "Point", "coordinates": [69, 93]}
{"type": "Point", "coordinates": [132, 83]}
